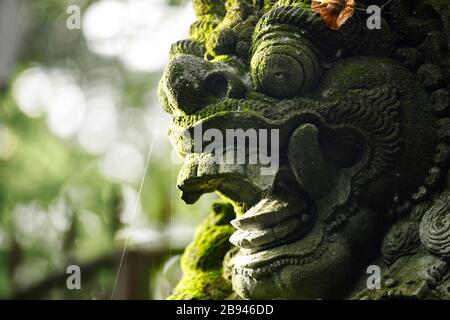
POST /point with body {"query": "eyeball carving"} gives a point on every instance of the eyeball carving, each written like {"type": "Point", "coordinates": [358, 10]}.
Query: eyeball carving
{"type": "Point", "coordinates": [284, 65]}
{"type": "Point", "coordinates": [435, 227]}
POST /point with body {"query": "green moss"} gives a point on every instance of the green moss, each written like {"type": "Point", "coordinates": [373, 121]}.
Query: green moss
{"type": "Point", "coordinates": [202, 260]}
{"type": "Point", "coordinates": [211, 241]}
{"type": "Point", "coordinates": [284, 65]}
{"type": "Point", "coordinates": [224, 39]}
{"type": "Point", "coordinates": [201, 29]}
{"type": "Point", "coordinates": [224, 107]}
{"type": "Point", "coordinates": [305, 4]}
{"type": "Point", "coordinates": [201, 285]}
{"type": "Point", "coordinates": [209, 7]}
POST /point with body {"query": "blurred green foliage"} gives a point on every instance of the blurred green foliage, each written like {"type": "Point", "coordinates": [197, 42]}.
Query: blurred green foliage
{"type": "Point", "coordinates": [56, 206]}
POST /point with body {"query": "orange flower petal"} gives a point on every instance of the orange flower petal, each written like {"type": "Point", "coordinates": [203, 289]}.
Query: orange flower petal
{"type": "Point", "coordinates": [334, 20]}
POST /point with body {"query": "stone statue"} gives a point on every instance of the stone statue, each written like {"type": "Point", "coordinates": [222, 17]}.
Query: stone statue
{"type": "Point", "coordinates": [360, 103]}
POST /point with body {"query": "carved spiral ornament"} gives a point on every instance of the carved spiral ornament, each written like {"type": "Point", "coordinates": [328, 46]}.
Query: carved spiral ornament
{"type": "Point", "coordinates": [435, 227]}
{"type": "Point", "coordinates": [401, 240]}
{"type": "Point", "coordinates": [284, 65]}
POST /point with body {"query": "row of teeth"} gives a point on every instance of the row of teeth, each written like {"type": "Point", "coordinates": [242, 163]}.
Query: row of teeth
{"type": "Point", "coordinates": [342, 217]}
{"type": "Point", "coordinates": [280, 263]}
{"type": "Point", "coordinates": [271, 222]}
{"type": "Point", "coordinates": [272, 267]}
{"type": "Point", "coordinates": [271, 235]}
{"type": "Point", "coordinates": [339, 220]}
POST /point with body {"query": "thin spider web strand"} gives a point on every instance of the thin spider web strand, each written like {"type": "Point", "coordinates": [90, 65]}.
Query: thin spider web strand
{"type": "Point", "coordinates": [137, 204]}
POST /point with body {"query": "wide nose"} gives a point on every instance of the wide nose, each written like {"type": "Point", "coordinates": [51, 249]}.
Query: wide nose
{"type": "Point", "coordinates": [190, 83]}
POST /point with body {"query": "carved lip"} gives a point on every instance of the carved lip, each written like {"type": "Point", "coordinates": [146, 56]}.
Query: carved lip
{"type": "Point", "coordinates": [301, 251]}
{"type": "Point", "coordinates": [272, 223]}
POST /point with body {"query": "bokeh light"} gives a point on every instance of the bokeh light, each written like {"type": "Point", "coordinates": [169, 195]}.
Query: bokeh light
{"type": "Point", "coordinates": [79, 121]}
{"type": "Point", "coordinates": [137, 32]}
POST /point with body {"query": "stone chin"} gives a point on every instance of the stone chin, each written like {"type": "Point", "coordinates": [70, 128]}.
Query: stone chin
{"type": "Point", "coordinates": [322, 278]}
{"type": "Point", "coordinates": [318, 266]}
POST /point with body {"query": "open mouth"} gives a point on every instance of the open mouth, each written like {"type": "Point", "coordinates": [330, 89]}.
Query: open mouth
{"type": "Point", "coordinates": [271, 223]}
{"type": "Point", "coordinates": [277, 231]}
{"type": "Point", "coordinates": [270, 232]}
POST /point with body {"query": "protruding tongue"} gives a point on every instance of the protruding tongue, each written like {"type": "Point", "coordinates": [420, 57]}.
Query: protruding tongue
{"type": "Point", "coordinates": [270, 223]}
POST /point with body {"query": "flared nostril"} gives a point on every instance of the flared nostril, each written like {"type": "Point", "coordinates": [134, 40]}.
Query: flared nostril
{"type": "Point", "coordinates": [190, 83]}
{"type": "Point", "coordinates": [222, 84]}
{"type": "Point", "coordinates": [216, 85]}
{"type": "Point", "coordinates": [181, 84]}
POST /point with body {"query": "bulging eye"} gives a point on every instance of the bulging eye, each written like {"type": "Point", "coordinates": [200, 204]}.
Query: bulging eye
{"type": "Point", "coordinates": [284, 65]}
{"type": "Point", "coordinates": [343, 147]}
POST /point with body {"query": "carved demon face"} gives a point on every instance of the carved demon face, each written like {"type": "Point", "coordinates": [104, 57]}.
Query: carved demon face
{"type": "Point", "coordinates": [355, 139]}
